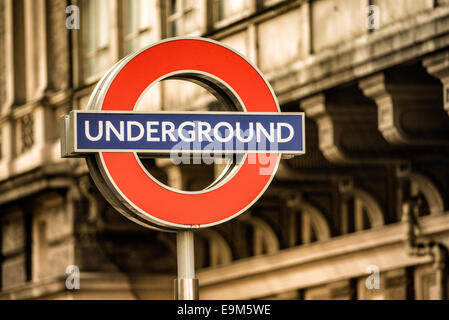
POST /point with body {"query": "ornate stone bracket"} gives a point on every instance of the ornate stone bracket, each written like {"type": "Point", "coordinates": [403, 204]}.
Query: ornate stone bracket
{"type": "Point", "coordinates": [409, 113]}
{"type": "Point", "coordinates": [438, 66]}
{"type": "Point", "coordinates": [347, 129]}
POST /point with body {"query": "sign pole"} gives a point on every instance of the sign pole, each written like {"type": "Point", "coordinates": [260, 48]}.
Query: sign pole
{"type": "Point", "coordinates": [186, 286]}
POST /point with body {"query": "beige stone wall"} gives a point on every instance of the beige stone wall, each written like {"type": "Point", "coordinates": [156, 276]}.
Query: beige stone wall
{"type": "Point", "coordinates": [337, 21]}
{"type": "Point", "coordinates": [400, 9]}
{"type": "Point", "coordinates": [278, 49]}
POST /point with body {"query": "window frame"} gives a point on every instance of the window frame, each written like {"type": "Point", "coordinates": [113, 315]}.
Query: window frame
{"type": "Point", "coordinates": [154, 29]}
{"type": "Point", "coordinates": [200, 6]}
{"type": "Point", "coordinates": [82, 77]}
{"type": "Point", "coordinates": [251, 7]}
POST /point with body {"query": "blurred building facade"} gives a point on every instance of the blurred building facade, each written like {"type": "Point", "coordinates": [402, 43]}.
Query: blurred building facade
{"type": "Point", "coordinates": [370, 194]}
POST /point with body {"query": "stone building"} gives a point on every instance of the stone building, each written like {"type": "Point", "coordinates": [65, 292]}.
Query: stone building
{"type": "Point", "coordinates": [371, 193]}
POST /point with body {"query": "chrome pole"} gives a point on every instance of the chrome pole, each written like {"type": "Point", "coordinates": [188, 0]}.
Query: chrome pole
{"type": "Point", "coordinates": [186, 286]}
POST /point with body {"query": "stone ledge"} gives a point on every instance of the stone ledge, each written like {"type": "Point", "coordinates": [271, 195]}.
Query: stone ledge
{"type": "Point", "coordinates": [400, 42]}
{"type": "Point", "coordinates": [322, 262]}
{"type": "Point", "coordinates": [95, 285]}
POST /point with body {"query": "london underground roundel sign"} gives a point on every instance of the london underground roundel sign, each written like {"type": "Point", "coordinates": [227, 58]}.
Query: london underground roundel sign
{"type": "Point", "coordinates": [111, 134]}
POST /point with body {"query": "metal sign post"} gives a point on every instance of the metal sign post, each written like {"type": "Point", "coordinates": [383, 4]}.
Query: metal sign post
{"type": "Point", "coordinates": [186, 286]}
{"type": "Point", "coordinates": [112, 134]}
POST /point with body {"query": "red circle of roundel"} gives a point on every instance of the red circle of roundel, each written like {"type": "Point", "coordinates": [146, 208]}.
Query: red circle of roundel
{"type": "Point", "coordinates": [173, 207]}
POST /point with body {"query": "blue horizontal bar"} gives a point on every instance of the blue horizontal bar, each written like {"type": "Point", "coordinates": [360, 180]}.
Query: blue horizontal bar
{"type": "Point", "coordinates": [190, 132]}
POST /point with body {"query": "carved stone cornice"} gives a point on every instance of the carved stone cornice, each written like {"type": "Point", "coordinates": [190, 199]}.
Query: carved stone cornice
{"type": "Point", "coordinates": [375, 52]}
{"type": "Point", "coordinates": [33, 182]}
